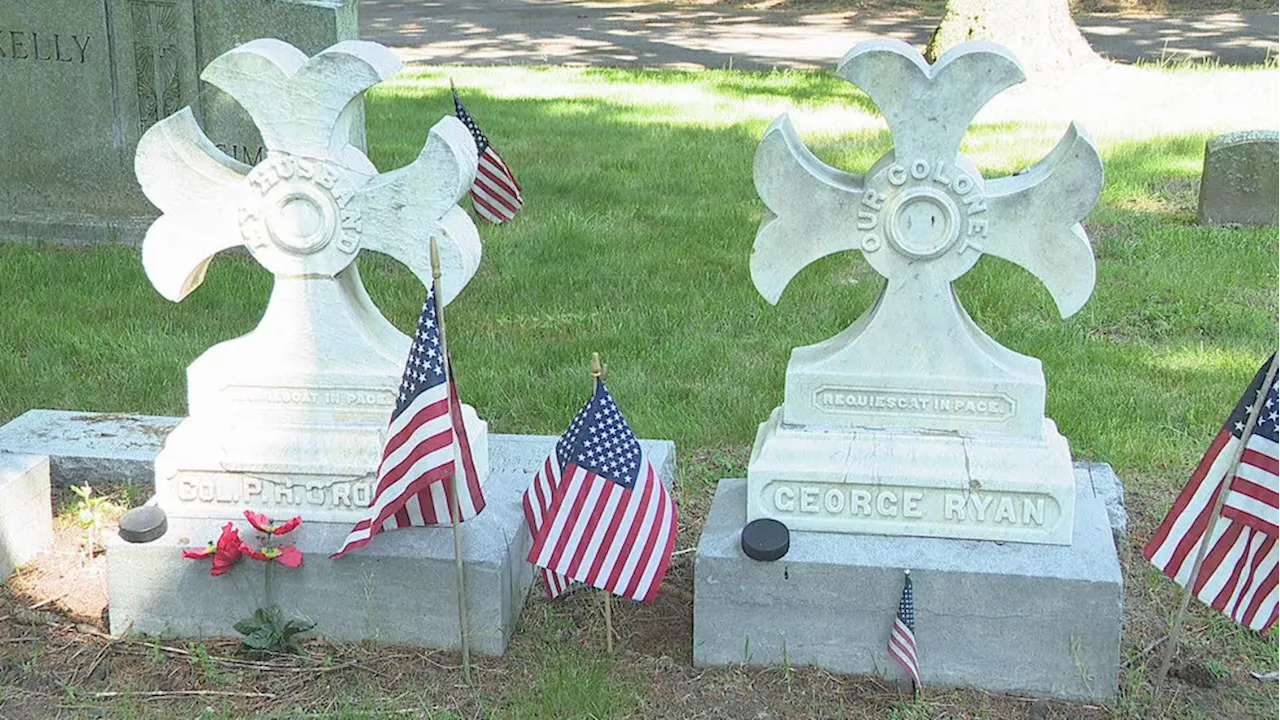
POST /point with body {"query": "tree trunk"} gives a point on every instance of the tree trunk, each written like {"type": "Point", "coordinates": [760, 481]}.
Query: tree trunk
{"type": "Point", "coordinates": [1040, 33]}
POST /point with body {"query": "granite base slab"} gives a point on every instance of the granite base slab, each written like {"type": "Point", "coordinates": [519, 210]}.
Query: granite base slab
{"type": "Point", "coordinates": [88, 446]}
{"type": "Point", "coordinates": [98, 447]}
{"type": "Point", "coordinates": [1004, 617]}
{"type": "Point", "coordinates": [26, 513]}
{"type": "Point", "coordinates": [399, 589]}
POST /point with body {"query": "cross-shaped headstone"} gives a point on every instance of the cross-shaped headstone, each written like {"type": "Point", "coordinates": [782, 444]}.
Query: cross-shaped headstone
{"type": "Point", "coordinates": [289, 418]}
{"type": "Point", "coordinates": [922, 216]}
{"type": "Point", "coordinates": [316, 200]}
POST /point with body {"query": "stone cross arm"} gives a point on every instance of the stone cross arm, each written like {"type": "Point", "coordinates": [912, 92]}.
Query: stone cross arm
{"type": "Point", "coordinates": [923, 212]}
{"type": "Point", "coordinates": [308, 208]}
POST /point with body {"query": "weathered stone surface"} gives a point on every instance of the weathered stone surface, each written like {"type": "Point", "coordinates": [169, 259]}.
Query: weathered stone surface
{"type": "Point", "coordinates": [26, 513]}
{"type": "Point", "coordinates": [121, 448]}
{"type": "Point", "coordinates": [310, 26]}
{"type": "Point", "coordinates": [1005, 617]}
{"type": "Point", "coordinates": [85, 447]}
{"type": "Point", "coordinates": [915, 362]}
{"type": "Point", "coordinates": [1108, 488]}
{"type": "Point", "coordinates": [366, 594]}
{"type": "Point", "coordinates": [300, 404]}
{"type": "Point", "coordinates": [899, 482]}
{"type": "Point", "coordinates": [1240, 185]}
{"type": "Point", "coordinates": [82, 81]}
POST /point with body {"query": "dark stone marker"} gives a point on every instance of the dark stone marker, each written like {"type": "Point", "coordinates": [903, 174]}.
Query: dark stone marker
{"type": "Point", "coordinates": [765, 539]}
{"type": "Point", "coordinates": [143, 524]}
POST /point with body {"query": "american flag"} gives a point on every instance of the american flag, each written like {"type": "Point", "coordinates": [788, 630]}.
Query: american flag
{"type": "Point", "coordinates": [1239, 572]}
{"type": "Point", "coordinates": [495, 193]}
{"type": "Point", "coordinates": [902, 638]}
{"type": "Point", "coordinates": [598, 511]}
{"type": "Point", "coordinates": [426, 438]}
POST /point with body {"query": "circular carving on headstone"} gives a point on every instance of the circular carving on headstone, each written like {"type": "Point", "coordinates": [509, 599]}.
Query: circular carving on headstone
{"type": "Point", "coordinates": [301, 220]}
{"type": "Point", "coordinates": [302, 215]}
{"type": "Point", "coordinates": [765, 539]}
{"type": "Point", "coordinates": [923, 223]}
{"type": "Point", "coordinates": [143, 524]}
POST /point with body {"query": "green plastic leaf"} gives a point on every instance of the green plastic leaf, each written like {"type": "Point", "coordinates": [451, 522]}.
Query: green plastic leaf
{"type": "Point", "coordinates": [296, 626]}
{"type": "Point", "coordinates": [262, 639]}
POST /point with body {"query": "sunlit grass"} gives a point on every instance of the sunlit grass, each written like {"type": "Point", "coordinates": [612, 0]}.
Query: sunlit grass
{"type": "Point", "coordinates": [634, 241]}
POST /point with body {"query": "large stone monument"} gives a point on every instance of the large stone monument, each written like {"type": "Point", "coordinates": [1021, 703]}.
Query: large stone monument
{"type": "Point", "coordinates": [291, 418]}
{"type": "Point", "coordinates": [1241, 179]}
{"type": "Point", "coordinates": [83, 80]}
{"type": "Point", "coordinates": [913, 421]}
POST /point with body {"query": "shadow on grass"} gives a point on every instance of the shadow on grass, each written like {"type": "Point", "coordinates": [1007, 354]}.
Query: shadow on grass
{"type": "Point", "coordinates": [634, 242]}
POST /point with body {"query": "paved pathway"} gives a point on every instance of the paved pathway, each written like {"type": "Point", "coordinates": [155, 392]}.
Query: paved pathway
{"type": "Point", "coordinates": [536, 32]}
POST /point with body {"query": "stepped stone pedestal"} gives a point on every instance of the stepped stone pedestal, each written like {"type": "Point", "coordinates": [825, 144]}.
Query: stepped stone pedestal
{"type": "Point", "coordinates": [1000, 616]}
{"type": "Point", "coordinates": [365, 595]}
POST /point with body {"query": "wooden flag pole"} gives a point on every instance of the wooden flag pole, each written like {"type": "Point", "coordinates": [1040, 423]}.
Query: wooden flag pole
{"type": "Point", "coordinates": [1224, 488]}
{"type": "Point", "coordinates": [455, 506]}
{"type": "Point", "coordinates": [600, 372]}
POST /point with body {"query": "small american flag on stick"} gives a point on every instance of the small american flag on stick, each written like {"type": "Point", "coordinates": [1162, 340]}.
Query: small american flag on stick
{"type": "Point", "coordinates": [598, 511]}
{"type": "Point", "coordinates": [1238, 573]}
{"type": "Point", "coordinates": [426, 442]}
{"type": "Point", "coordinates": [496, 194]}
{"type": "Point", "coordinates": [902, 638]}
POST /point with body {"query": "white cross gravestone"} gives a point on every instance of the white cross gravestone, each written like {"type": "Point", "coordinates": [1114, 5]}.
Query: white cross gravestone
{"type": "Point", "coordinates": [913, 421]}
{"type": "Point", "coordinates": [291, 418]}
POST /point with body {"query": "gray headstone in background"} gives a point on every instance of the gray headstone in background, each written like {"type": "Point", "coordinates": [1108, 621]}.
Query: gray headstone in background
{"type": "Point", "coordinates": [1239, 183]}
{"type": "Point", "coordinates": [81, 80]}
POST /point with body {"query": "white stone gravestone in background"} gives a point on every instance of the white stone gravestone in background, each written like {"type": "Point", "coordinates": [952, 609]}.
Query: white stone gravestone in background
{"type": "Point", "coordinates": [291, 418]}
{"type": "Point", "coordinates": [913, 420]}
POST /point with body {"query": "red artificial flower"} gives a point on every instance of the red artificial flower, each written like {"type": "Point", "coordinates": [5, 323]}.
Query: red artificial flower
{"type": "Point", "coordinates": [289, 556]}
{"type": "Point", "coordinates": [199, 553]}
{"type": "Point", "coordinates": [228, 551]}
{"type": "Point", "coordinates": [262, 524]}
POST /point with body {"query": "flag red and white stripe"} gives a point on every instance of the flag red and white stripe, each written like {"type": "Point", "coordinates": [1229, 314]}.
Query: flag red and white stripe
{"type": "Point", "coordinates": [495, 193]}
{"type": "Point", "coordinates": [610, 522]}
{"type": "Point", "coordinates": [537, 505]}
{"type": "Point", "coordinates": [426, 444]}
{"type": "Point", "coordinates": [1239, 574]}
{"type": "Point", "coordinates": [902, 637]}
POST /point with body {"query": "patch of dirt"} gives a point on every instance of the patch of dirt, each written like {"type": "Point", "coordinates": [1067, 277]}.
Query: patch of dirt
{"type": "Point", "coordinates": [58, 661]}
{"type": "Point", "coordinates": [65, 578]}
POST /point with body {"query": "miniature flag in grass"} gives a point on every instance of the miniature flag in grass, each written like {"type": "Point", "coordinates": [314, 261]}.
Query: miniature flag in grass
{"type": "Point", "coordinates": [902, 639]}
{"type": "Point", "coordinates": [425, 436]}
{"type": "Point", "coordinates": [1239, 573]}
{"type": "Point", "coordinates": [495, 193]}
{"type": "Point", "coordinates": [598, 512]}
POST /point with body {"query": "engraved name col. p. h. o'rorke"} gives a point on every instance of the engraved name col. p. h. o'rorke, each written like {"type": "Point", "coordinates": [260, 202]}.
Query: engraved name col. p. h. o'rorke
{"type": "Point", "coordinates": [290, 417]}
{"type": "Point", "coordinates": [938, 429]}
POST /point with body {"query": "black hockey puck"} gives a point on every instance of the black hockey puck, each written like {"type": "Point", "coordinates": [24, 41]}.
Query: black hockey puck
{"type": "Point", "coordinates": [765, 539]}
{"type": "Point", "coordinates": [143, 524]}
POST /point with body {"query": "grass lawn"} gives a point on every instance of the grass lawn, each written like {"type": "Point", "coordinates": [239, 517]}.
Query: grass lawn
{"type": "Point", "coordinates": [634, 242]}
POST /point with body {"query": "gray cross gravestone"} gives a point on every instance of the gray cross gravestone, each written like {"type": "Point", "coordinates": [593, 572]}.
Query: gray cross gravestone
{"type": "Point", "coordinates": [912, 440]}
{"type": "Point", "coordinates": [291, 417]}
{"type": "Point", "coordinates": [890, 425]}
